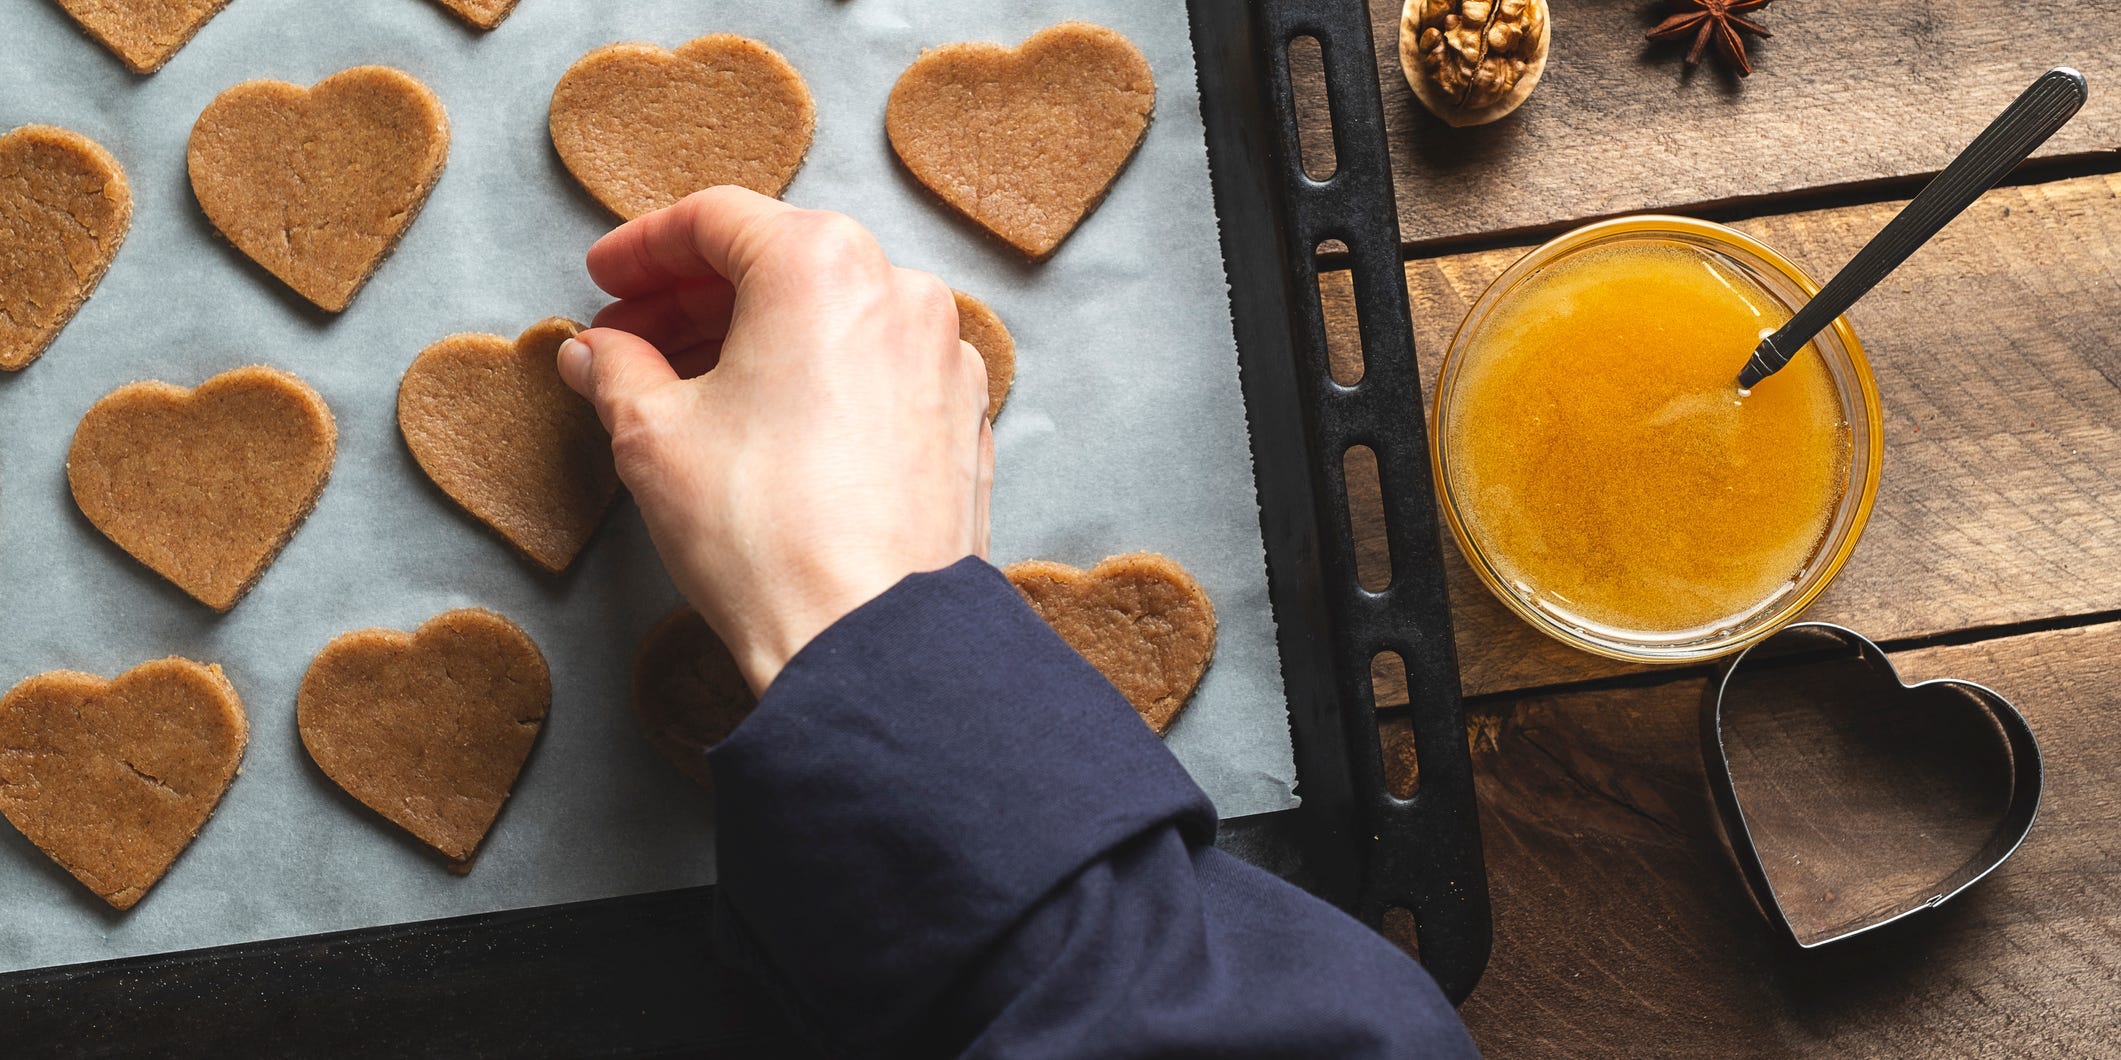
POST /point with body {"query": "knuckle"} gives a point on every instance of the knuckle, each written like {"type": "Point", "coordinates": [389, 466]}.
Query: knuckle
{"type": "Point", "coordinates": [927, 291]}
{"type": "Point", "coordinates": [929, 300]}
{"type": "Point", "coordinates": [824, 240]}
{"type": "Point", "coordinates": [637, 427]}
{"type": "Point", "coordinates": [633, 448]}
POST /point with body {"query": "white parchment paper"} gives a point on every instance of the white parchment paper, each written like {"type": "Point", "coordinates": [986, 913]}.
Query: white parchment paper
{"type": "Point", "coordinates": [1125, 431]}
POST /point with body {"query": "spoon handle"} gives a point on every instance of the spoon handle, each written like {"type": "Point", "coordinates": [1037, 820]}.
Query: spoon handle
{"type": "Point", "coordinates": [2023, 126]}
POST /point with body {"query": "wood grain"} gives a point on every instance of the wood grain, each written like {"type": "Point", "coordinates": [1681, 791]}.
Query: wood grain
{"type": "Point", "coordinates": [1999, 365]}
{"type": "Point", "coordinates": [1622, 927]}
{"type": "Point", "coordinates": [1846, 92]}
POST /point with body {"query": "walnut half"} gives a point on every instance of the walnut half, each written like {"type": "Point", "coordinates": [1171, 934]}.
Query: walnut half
{"type": "Point", "coordinates": [1473, 61]}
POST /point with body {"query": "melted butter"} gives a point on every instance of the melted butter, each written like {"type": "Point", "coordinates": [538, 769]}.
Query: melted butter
{"type": "Point", "coordinates": [1604, 460]}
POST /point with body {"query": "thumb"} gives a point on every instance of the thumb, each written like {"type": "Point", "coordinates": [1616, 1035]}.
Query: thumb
{"type": "Point", "coordinates": [612, 369]}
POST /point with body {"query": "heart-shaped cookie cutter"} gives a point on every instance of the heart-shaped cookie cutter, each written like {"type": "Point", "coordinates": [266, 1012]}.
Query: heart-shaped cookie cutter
{"type": "Point", "coordinates": [1779, 662]}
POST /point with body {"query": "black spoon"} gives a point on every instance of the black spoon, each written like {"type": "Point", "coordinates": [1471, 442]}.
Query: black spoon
{"type": "Point", "coordinates": [2023, 126]}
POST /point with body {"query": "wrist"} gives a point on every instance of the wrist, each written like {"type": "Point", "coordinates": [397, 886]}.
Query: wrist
{"type": "Point", "coordinates": [777, 623]}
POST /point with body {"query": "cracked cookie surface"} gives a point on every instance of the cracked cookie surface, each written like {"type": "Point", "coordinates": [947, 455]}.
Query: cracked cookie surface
{"type": "Point", "coordinates": [317, 185]}
{"type": "Point", "coordinates": [65, 207]}
{"type": "Point", "coordinates": [428, 728]}
{"type": "Point", "coordinates": [113, 779]}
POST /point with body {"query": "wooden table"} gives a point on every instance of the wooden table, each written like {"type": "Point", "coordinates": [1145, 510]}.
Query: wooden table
{"type": "Point", "coordinates": [1621, 927]}
{"type": "Point", "coordinates": [1994, 553]}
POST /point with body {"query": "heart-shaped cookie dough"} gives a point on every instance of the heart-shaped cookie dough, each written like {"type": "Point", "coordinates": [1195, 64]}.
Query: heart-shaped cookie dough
{"type": "Point", "coordinates": [318, 184]}
{"type": "Point", "coordinates": [642, 127]}
{"type": "Point", "coordinates": [1139, 618]}
{"type": "Point", "coordinates": [485, 14]}
{"type": "Point", "coordinates": [687, 692]}
{"type": "Point", "coordinates": [978, 325]}
{"type": "Point", "coordinates": [64, 209]}
{"type": "Point", "coordinates": [428, 728]}
{"type": "Point", "coordinates": [1851, 799]}
{"type": "Point", "coordinates": [492, 424]}
{"type": "Point", "coordinates": [1024, 141]}
{"type": "Point", "coordinates": [142, 33]}
{"type": "Point", "coordinates": [206, 485]}
{"type": "Point", "coordinates": [114, 778]}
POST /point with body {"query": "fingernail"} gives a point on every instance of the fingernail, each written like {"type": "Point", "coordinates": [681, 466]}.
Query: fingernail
{"type": "Point", "coordinates": [574, 363]}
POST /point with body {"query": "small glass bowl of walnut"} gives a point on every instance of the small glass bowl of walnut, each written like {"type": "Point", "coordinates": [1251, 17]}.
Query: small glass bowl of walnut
{"type": "Point", "coordinates": [1473, 61]}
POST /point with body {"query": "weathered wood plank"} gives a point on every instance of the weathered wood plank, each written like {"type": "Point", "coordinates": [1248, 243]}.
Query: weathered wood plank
{"type": "Point", "coordinates": [1622, 927]}
{"type": "Point", "coordinates": [1998, 355]}
{"type": "Point", "coordinates": [1845, 92]}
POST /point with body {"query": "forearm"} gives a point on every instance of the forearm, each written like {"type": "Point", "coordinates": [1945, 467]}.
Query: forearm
{"type": "Point", "coordinates": [942, 830]}
{"type": "Point", "coordinates": [1163, 948]}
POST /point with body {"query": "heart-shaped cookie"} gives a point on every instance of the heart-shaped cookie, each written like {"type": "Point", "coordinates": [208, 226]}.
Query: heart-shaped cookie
{"type": "Point", "coordinates": [977, 324]}
{"type": "Point", "coordinates": [1139, 618]}
{"type": "Point", "coordinates": [64, 209]}
{"type": "Point", "coordinates": [428, 728]}
{"type": "Point", "coordinates": [1024, 141]}
{"type": "Point", "coordinates": [492, 424]}
{"type": "Point", "coordinates": [205, 485]}
{"type": "Point", "coordinates": [142, 33]}
{"type": "Point", "coordinates": [114, 778]}
{"type": "Point", "coordinates": [1851, 799]}
{"type": "Point", "coordinates": [317, 184]}
{"type": "Point", "coordinates": [485, 14]}
{"type": "Point", "coordinates": [642, 127]}
{"type": "Point", "coordinates": [687, 692]}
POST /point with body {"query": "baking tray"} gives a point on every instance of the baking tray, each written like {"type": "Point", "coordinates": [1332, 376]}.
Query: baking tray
{"type": "Point", "coordinates": [1367, 851]}
{"type": "Point", "coordinates": [636, 976]}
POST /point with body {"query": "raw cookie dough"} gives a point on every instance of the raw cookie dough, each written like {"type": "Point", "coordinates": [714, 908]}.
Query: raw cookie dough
{"type": "Point", "coordinates": [204, 485]}
{"type": "Point", "coordinates": [1024, 141]}
{"type": "Point", "coordinates": [1139, 618]}
{"type": "Point", "coordinates": [142, 33]}
{"type": "Point", "coordinates": [485, 14]}
{"type": "Point", "coordinates": [64, 209]}
{"type": "Point", "coordinates": [114, 778]}
{"type": "Point", "coordinates": [492, 424]}
{"type": "Point", "coordinates": [428, 728]}
{"type": "Point", "coordinates": [687, 693]}
{"type": "Point", "coordinates": [978, 325]}
{"type": "Point", "coordinates": [642, 127]}
{"type": "Point", "coordinates": [318, 184]}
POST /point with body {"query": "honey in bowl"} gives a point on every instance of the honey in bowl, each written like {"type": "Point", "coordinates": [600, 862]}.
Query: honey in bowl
{"type": "Point", "coordinates": [1604, 464]}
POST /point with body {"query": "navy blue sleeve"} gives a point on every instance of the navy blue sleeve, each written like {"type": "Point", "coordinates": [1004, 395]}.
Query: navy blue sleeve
{"type": "Point", "coordinates": [942, 832]}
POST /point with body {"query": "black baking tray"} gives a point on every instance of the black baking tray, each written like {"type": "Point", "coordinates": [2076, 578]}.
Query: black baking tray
{"type": "Point", "coordinates": [1365, 850]}
{"type": "Point", "coordinates": [637, 976]}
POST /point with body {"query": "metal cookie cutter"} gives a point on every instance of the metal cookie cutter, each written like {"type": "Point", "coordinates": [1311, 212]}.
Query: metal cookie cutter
{"type": "Point", "coordinates": [1851, 799]}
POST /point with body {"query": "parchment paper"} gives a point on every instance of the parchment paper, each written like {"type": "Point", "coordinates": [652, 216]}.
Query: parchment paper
{"type": "Point", "coordinates": [1125, 431]}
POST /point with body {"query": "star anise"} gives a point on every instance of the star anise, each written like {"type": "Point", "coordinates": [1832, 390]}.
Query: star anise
{"type": "Point", "coordinates": [1717, 20]}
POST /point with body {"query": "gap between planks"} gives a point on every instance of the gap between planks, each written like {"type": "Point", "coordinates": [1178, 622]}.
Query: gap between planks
{"type": "Point", "coordinates": [1668, 675]}
{"type": "Point", "coordinates": [1743, 208]}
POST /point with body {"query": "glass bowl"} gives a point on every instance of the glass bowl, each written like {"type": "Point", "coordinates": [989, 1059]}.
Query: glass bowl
{"type": "Point", "coordinates": [1851, 375]}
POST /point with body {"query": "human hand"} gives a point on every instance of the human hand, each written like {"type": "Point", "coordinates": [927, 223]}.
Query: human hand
{"type": "Point", "coordinates": [795, 416]}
